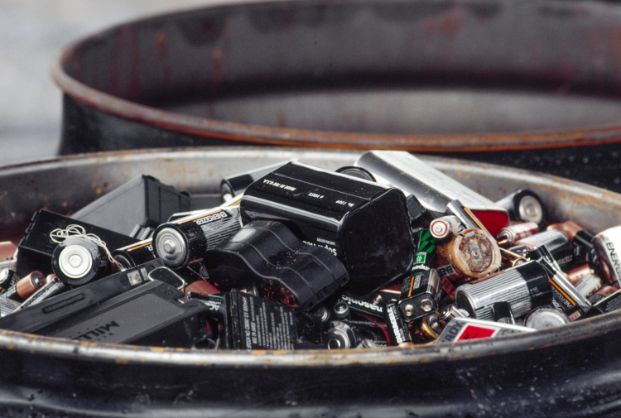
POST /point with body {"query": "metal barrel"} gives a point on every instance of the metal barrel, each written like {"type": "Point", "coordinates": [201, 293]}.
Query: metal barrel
{"type": "Point", "coordinates": [532, 84]}
{"type": "Point", "coordinates": [559, 371]}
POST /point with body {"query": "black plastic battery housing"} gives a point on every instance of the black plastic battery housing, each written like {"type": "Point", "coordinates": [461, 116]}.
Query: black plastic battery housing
{"type": "Point", "coordinates": [365, 224]}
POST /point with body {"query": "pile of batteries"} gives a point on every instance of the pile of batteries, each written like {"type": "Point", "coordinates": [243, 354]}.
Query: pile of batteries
{"type": "Point", "coordinates": [388, 252]}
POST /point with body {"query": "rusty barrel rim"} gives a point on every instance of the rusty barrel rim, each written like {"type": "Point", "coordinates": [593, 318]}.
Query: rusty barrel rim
{"type": "Point", "coordinates": [237, 132]}
{"type": "Point", "coordinates": [477, 349]}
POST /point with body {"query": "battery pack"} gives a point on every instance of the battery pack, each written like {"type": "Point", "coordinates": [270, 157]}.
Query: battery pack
{"type": "Point", "coordinates": [364, 224]}
{"type": "Point", "coordinates": [251, 322]}
{"type": "Point", "coordinates": [36, 248]}
{"type": "Point", "coordinates": [268, 255]}
{"type": "Point", "coordinates": [70, 303]}
{"type": "Point", "coordinates": [150, 314]}
{"type": "Point", "coordinates": [136, 207]}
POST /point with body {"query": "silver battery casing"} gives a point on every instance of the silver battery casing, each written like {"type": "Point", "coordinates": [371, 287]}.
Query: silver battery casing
{"type": "Point", "coordinates": [523, 293]}
{"type": "Point", "coordinates": [607, 245]}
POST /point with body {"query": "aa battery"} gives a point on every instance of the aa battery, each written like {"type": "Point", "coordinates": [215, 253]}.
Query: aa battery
{"type": "Point", "coordinates": [588, 285]}
{"type": "Point", "coordinates": [524, 287]}
{"type": "Point", "coordinates": [29, 284]}
{"type": "Point", "coordinates": [557, 243]}
{"type": "Point", "coordinates": [445, 227]}
{"type": "Point", "coordinates": [22, 288]}
{"type": "Point", "coordinates": [52, 286]}
{"type": "Point", "coordinates": [564, 293]}
{"type": "Point", "coordinates": [466, 217]}
{"type": "Point", "coordinates": [607, 245]}
{"type": "Point", "coordinates": [517, 231]}
{"type": "Point", "coordinates": [525, 206]}
{"type": "Point", "coordinates": [472, 252]}
{"type": "Point", "coordinates": [7, 306]}
{"type": "Point", "coordinates": [186, 240]}
{"type": "Point", "coordinates": [79, 260]}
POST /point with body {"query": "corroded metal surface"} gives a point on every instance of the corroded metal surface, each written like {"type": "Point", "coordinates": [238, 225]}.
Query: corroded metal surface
{"type": "Point", "coordinates": [200, 170]}
{"type": "Point", "coordinates": [570, 369]}
{"type": "Point", "coordinates": [184, 72]}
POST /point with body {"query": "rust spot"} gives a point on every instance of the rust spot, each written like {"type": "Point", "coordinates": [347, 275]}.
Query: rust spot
{"type": "Point", "coordinates": [282, 119]}
{"type": "Point", "coordinates": [216, 76]}
{"type": "Point", "coordinates": [160, 38]}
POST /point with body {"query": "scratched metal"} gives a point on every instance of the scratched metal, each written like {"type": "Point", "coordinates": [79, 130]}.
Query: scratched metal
{"type": "Point", "coordinates": [572, 366]}
{"type": "Point", "coordinates": [519, 83]}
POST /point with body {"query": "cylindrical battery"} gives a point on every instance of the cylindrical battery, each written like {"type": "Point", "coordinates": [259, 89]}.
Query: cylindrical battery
{"type": "Point", "coordinates": [565, 295]}
{"type": "Point", "coordinates": [134, 254]}
{"type": "Point", "coordinates": [201, 287]}
{"type": "Point", "coordinates": [78, 260]}
{"type": "Point", "coordinates": [7, 250]}
{"type": "Point", "coordinates": [445, 227]}
{"type": "Point", "coordinates": [472, 252]}
{"type": "Point", "coordinates": [29, 284]}
{"type": "Point", "coordinates": [584, 250]}
{"type": "Point", "coordinates": [556, 242]}
{"type": "Point", "coordinates": [607, 245]}
{"type": "Point", "coordinates": [52, 287]}
{"type": "Point", "coordinates": [525, 206]}
{"type": "Point", "coordinates": [524, 287]}
{"type": "Point", "coordinates": [544, 317]}
{"type": "Point", "coordinates": [576, 274]}
{"type": "Point", "coordinates": [517, 231]}
{"type": "Point", "coordinates": [7, 306]}
{"type": "Point", "coordinates": [588, 285]}
{"type": "Point", "coordinates": [185, 241]}
{"type": "Point", "coordinates": [8, 278]}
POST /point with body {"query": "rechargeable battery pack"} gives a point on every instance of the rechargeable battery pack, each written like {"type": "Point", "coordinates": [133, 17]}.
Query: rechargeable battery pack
{"type": "Point", "coordinates": [70, 303]}
{"type": "Point", "coordinates": [251, 322]}
{"type": "Point", "coordinates": [150, 314]}
{"type": "Point", "coordinates": [136, 207]}
{"type": "Point", "coordinates": [267, 254]}
{"type": "Point", "coordinates": [36, 248]}
{"type": "Point", "coordinates": [364, 224]}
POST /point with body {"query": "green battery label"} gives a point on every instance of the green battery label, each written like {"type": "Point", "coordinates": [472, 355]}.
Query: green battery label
{"type": "Point", "coordinates": [426, 248]}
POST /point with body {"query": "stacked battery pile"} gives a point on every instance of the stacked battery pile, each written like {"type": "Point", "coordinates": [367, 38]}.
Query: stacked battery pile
{"type": "Point", "coordinates": [388, 252]}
